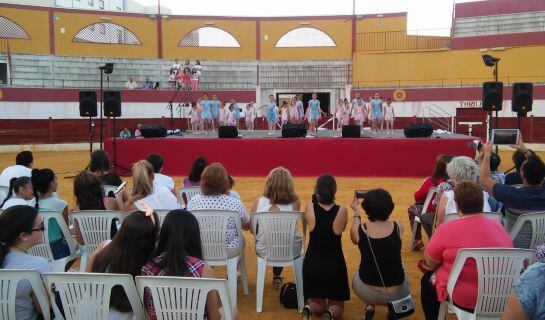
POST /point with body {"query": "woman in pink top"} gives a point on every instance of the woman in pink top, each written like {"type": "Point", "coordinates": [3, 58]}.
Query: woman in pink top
{"type": "Point", "coordinates": [472, 230]}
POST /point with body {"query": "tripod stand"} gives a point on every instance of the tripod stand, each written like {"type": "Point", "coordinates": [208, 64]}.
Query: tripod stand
{"type": "Point", "coordinates": [169, 107]}
{"type": "Point", "coordinates": [91, 129]}
{"type": "Point", "coordinates": [115, 164]}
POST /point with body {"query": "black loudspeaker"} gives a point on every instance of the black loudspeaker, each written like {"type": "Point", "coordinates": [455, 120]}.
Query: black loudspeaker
{"type": "Point", "coordinates": [112, 104]}
{"type": "Point", "coordinates": [522, 99]}
{"type": "Point", "coordinates": [87, 104]}
{"type": "Point", "coordinates": [153, 131]}
{"type": "Point", "coordinates": [227, 132]}
{"type": "Point", "coordinates": [418, 130]}
{"type": "Point", "coordinates": [351, 131]}
{"type": "Point", "coordinates": [293, 130]}
{"type": "Point", "coordinates": [492, 96]}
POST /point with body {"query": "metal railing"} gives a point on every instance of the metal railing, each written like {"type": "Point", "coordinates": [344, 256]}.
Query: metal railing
{"type": "Point", "coordinates": [305, 77]}
{"type": "Point", "coordinates": [439, 118]}
{"type": "Point", "coordinates": [444, 82]}
{"type": "Point", "coordinates": [425, 39]}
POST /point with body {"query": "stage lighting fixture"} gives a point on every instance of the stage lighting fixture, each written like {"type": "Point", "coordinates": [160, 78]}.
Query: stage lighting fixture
{"type": "Point", "coordinates": [489, 60]}
{"type": "Point", "coordinates": [108, 68]}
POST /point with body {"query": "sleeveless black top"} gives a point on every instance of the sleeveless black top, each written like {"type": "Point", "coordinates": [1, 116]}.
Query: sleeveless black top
{"type": "Point", "coordinates": [388, 254]}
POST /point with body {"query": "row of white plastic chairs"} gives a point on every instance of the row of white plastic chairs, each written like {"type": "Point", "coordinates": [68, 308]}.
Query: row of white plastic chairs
{"type": "Point", "coordinates": [278, 227]}
{"type": "Point", "coordinates": [536, 220]}
{"type": "Point", "coordinates": [86, 296]}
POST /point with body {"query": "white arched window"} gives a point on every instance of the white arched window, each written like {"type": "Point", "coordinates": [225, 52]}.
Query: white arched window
{"type": "Point", "coordinates": [11, 30]}
{"type": "Point", "coordinates": [209, 37]}
{"type": "Point", "coordinates": [305, 37]}
{"type": "Point", "coordinates": [107, 32]}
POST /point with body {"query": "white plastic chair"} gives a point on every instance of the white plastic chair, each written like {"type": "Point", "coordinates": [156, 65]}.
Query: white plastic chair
{"type": "Point", "coordinates": [186, 193]}
{"type": "Point", "coordinates": [537, 222]}
{"type": "Point", "coordinates": [498, 269]}
{"type": "Point", "coordinates": [86, 296]}
{"type": "Point", "coordinates": [9, 278]}
{"type": "Point", "coordinates": [44, 249]}
{"type": "Point", "coordinates": [161, 213]}
{"type": "Point", "coordinates": [95, 227]}
{"type": "Point", "coordinates": [429, 197]}
{"type": "Point", "coordinates": [279, 230]}
{"type": "Point", "coordinates": [491, 215]}
{"type": "Point", "coordinates": [213, 230]}
{"type": "Point", "coordinates": [107, 188]}
{"type": "Point", "coordinates": [183, 298]}
{"type": "Point", "coordinates": [3, 193]}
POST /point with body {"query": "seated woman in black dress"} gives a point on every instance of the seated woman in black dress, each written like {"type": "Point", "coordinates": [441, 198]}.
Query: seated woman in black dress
{"type": "Point", "coordinates": [385, 239]}
{"type": "Point", "coordinates": [325, 279]}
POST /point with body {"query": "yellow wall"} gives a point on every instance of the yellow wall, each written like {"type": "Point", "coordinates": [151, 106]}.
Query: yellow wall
{"type": "Point", "coordinates": [428, 68]}
{"type": "Point", "coordinates": [339, 30]}
{"type": "Point", "coordinates": [36, 24]}
{"type": "Point", "coordinates": [175, 29]}
{"type": "Point", "coordinates": [145, 30]}
{"type": "Point", "coordinates": [381, 24]}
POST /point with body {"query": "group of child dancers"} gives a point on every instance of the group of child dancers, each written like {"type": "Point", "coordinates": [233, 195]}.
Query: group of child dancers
{"type": "Point", "coordinates": [207, 115]}
{"type": "Point", "coordinates": [376, 113]}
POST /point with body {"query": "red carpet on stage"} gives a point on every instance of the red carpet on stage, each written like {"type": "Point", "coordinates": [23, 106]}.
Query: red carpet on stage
{"type": "Point", "coordinates": [302, 156]}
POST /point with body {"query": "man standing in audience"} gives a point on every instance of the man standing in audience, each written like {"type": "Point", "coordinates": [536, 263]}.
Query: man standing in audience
{"type": "Point", "coordinates": [131, 84]}
{"type": "Point", "coordinates": [160, 179]}
{"type": "Point", "coordinates": [22, 168]}
{"type": "Point", "coordinates": [529, 198]}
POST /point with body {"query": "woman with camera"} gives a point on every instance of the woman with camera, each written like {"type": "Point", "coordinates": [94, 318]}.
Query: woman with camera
{"type": "Point", "coordinates": [381, 278]}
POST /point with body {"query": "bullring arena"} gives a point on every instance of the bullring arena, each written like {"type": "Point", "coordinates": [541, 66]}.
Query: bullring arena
{"type": "Point", "coordinates": [51, 54]}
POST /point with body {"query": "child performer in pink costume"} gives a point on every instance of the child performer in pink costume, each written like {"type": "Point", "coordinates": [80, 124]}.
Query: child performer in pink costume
{"type": "Point", "coordinates": [361, 113]}
{"type": "Point", "coordinates": [195, 117]}
{"type": "Point", "coordinates": [222, 114]}
{"type": "Point", "coordinates": [231, 116]}
{"type": "Point", "coordinates": [250, 116]}
{"type": "Point", "coordinates": [339, 114]}
{"type": "Point", "coordinates": [285, 112]}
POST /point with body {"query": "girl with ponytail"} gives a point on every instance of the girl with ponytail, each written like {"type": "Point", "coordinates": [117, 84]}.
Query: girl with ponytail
{"type": "Point", "coordinates": [20, 193]}
{"type": "Point", "coordinates": [45, 185]}
{"type": "Point", "coordinates": [20, 229]}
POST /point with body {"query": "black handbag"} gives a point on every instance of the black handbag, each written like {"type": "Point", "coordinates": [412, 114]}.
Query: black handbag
{"type": "Point", "coordinates": [288, 296]}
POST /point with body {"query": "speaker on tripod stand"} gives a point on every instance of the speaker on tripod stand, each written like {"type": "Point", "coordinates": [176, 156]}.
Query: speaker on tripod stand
{"type": "Point", "coordinates": [112, 109]}
{"type": "Point", "coordinates": [88, 109]}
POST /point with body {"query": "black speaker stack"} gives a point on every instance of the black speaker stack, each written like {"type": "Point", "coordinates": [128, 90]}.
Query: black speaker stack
{"type": "Point", "coordinates": [227, 132]}
{"type": "Point", "coordinates": [290, 130]}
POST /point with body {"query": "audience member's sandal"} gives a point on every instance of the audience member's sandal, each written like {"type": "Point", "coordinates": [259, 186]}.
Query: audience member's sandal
{"type": "Point", "coordinates": [418, 245]}
{"type": "Point", "coordinates": [306, 313]}
{"type": "Point", "coordinates": [328, 315]}
{"type": "Point", "coordinates": [369, 312]}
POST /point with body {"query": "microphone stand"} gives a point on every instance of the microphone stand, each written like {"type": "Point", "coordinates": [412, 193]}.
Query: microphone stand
{"type": "Point", "coordinates": [179, 108]}
{"type": "Point", "coordinates": [169, 107]}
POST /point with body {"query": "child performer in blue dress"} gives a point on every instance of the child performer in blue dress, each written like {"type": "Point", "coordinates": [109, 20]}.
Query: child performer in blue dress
{"type": "Point", "coordinates": [376, 112]}
{"type": "Point", "coordinates": [215, 106]}
{"type": "Point", "coordinates": [206, 113]}
{"type": "Point", "coordinates": [272, 114]}
{"type": "Point", "coordinates": [314, 112]}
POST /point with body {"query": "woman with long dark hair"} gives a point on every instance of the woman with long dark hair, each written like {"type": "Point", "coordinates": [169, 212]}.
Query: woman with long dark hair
{"type": "Point", "coordinates": [179, 253]}
{"type": "Point", "coordinates": [194, 177]}
{"type": "Point", "coordinates": [89, 195]}
{"type": "Point", "coordinates": [20, 229]}
{"type": "Point", "coordinates": [130, 249]}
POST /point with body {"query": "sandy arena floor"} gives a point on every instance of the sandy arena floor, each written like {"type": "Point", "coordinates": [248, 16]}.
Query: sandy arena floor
{"type": "Point", "coordinates": [67, 164]}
